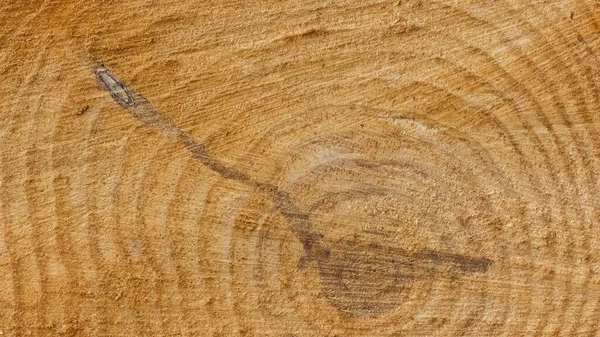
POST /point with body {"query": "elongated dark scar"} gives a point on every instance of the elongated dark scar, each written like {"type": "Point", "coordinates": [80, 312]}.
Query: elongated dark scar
{"type": "Point", "coordinates": [141, 109]}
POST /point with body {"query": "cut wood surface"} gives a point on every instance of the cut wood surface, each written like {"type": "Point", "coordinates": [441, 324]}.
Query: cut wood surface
{"type": "Point", "coordinates": [300, 168]}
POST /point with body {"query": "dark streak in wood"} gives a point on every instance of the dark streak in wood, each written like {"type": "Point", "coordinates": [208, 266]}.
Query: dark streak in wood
{"type": "Point", "coordinates": [358, 278]}
{"type": "Point", "coordinates": [463, 262]}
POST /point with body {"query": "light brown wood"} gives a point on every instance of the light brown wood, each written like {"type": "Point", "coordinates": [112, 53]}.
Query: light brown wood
{"type": "Point", "coordinates": [299, 168]}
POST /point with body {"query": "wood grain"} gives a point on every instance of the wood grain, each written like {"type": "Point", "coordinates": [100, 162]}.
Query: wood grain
{"type": "Point", "coordinates": [299, 168]}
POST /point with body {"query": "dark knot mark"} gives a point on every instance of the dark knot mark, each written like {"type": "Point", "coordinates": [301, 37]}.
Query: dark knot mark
{"type": "Point", "coordinates": [358, 278]}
